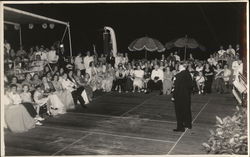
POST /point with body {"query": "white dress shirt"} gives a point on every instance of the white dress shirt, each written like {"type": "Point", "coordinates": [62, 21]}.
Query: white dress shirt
{"type": "Point", "coordinates": [157, 73]}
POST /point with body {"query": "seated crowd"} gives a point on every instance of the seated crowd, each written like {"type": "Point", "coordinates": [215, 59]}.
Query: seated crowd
{"type": "Point", "coordinates": [43, 83]}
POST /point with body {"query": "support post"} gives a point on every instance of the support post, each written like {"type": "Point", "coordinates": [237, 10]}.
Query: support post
{"type": "Point", "coordinates": [70, 44]}
{"type": "Point", "coordinates": [66, 28]}
{"type": "Point", "coordinates": [20, 36]}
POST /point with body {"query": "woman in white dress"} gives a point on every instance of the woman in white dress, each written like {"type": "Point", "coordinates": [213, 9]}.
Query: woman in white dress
{"type": "Point", "coordinates": [108, 79]}
{"type": "Point", "coordinates": [167, 81]}
{"type": "Point", "coordinates": [138, 79]}
{"type": "Point", "coordinates": [63, 94]}
{"type": "Point", "coordinates": [55, 105]}
{"type": "Point", "coordinates": [17, 118]}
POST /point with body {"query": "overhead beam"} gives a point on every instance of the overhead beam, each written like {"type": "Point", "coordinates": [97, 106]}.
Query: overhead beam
{"type": "Point", "coordinates": [35, 16]}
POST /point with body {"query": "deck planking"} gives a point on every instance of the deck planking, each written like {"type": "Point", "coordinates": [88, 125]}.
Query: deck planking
{"type": "Point", "coordinates": [122, 124]}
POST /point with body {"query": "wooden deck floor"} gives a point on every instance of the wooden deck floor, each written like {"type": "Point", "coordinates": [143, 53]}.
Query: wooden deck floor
{"type": "Point", "coordinates": [122, 124]}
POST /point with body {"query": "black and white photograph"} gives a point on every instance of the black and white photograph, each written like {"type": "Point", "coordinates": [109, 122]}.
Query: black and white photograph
{"type": "Point", "coordinates": [124, 78]}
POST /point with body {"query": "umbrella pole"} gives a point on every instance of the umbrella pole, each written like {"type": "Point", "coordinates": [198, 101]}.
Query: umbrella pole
{"type": "Point", "coordinates": [146, 54]}
{"type": "Point", "coordinates": [185, 53]}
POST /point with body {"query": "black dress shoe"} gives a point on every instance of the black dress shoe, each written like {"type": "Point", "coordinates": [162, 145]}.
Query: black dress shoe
{"type": "Point", "coordinates": [161, 93]}
{"type": "Point", "coordinates": [179, 130]}
{"type": "Point", "coordinates": [189, 127]}
{"type": "Point", "coordinates": [84, 106]}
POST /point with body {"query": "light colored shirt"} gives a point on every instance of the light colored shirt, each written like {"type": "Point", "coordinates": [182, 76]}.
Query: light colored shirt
{"type": "Point", "coordinates": [235, 66]}
{"type": "Point", "coordinates": [221, 52]}
{"type": "Point", "coordinates": [87, 60]}
{"type": "Point", "coordinates": [226, 75]}
{"type": "Point", "coordinates": [139, 73]}
{"type": "Point", "coordinates": [44, 56]}
{"type": "Point", "coordinates": [68, 85]}
{"type": "Point", "coordinates": [198, 69]}
{"type": "Point", "coordinates": [157, 73]}
{"type": "Point", "coordinates": [39, 98]}
{"type": "Point", "coordinates": [200, 79]}
{"type": "Point", "coordinates": [211, 61]}
{"type": "Point", "coordinates": [231, 51]}
{"type": "Point", "coordinates": [16, 99]}
{"type": "Point", "coordinates": [52, 56]}
{"type": "Point", "coordinates": [79, 63]}
{"type": "Point", "coordinates": [118, 60]}
{"type": "Point", "coordinates": [26, 97]}
{"type": "Point", "coordinates": [177, 58]}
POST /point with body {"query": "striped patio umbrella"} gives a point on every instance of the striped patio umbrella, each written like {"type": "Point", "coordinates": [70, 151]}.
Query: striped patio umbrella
{"type": "Point", "coordinates": [185, 42]}
{"type": "Point", "coordinates": [147, 44]}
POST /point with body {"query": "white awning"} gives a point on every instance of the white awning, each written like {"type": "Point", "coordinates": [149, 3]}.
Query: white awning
{"type": "Point", "coordinates": [15, 16]}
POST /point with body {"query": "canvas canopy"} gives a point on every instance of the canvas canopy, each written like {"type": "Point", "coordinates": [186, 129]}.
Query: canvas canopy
{"type": "Point", "coordinates": [18, 17]}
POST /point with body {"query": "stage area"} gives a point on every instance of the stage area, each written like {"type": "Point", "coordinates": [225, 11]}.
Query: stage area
{"type": "Point", "coordinates": [123, 124]}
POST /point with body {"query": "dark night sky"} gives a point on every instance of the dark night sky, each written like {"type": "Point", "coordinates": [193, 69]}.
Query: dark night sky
{"type": "Point", "coordinates": [211, 24]}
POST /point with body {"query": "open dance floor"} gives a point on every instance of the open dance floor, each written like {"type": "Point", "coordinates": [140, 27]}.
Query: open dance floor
{"type": "Point", "coordinates": [123, 124]}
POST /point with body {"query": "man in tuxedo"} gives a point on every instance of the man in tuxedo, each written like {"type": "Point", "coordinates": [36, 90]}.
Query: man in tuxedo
{"type": "Point", "coordinates": [110, 59]}
{"type": "Point", "coordinates": [182, 99]}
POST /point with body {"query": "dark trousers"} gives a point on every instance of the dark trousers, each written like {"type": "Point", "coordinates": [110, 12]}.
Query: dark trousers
{"type": "Point", "coordinates": [77, 95]}
{"type": "Point", "coordinates": [120, 82]}
{"type": "Point", "coordinates": [208, 84]}
{"type": "Point", "coordinates": [155, 86]}
{"type": "Point", "coordinates": [226, 86]}
{"type": "Point", "coordinates": [183, 117]}
{"type": "Point", "coordinates": [29, 107]}
{"type": "Point", "coordinates": [83, 72]}
{"type": "Point", "coordinates": [129, 84]}
{"type": "Point", "coordinates": [218, 85]}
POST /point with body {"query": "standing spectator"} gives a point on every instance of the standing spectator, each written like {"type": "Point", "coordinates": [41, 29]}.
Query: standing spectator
{"type": "Point", "coordinates": [226, 78]}
{"type": "Point", "coordinates": [118, 60]}
{"type": "Point", "coordinates": [87, 59]}
{"type": "Point", "coordinates": [221, 51]}
{"type": "Point", "coordinates": [177, 58]}
{"type": "Point", "coordinates": [208, 73]}
{"type": "Point", "coordinates": [102, 59]}
{"type": "Point", "coordinates": [211, 60]}
{"type": "Point", "coordinates": [79, 63]}
{"type": "Point", "coordinates": [171, 58]}
{"type": "Point", "coordinates": [237, 49]}
{"type": "Point", "coordinates": [230, 50]}
{"type": "Point", "coordinates": [218, 79]}
{"type": "Point", "coordinates": [43, 54]}
{"type": "Point", "coordinates": [167, 82]}
{"type": "Point", "coordinates": [110, 59]}
{"type": "Point", "coordinates": [7, 47]}
{"type": "Point", "coordinates": [21, 52]}
{"type": "Point", "coordinates": [191, 58]}
{"type": "Point", "coordinates": [52, 56]}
